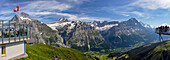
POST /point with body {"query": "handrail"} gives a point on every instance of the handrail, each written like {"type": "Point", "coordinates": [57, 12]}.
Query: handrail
{"type": "Point", "coordinates": [12, 32]}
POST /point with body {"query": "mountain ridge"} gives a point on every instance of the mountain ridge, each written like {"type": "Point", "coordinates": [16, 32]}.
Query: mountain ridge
{"type": "Point", "coordinates": [85, 36]}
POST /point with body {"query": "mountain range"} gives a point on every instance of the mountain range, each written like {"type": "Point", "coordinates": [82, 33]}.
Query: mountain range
{"type": "Point", "coordinates": [90, 36]}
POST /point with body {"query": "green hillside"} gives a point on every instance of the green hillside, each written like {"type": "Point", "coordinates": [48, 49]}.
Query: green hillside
{"type": "Point", "coordinates": [146, 52]}
{"type": "Point", "coordinates": [46, 52]}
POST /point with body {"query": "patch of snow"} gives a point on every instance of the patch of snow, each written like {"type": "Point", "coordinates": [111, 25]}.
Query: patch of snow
{"type": "Point", "coordinates": [72, 26]}
{"type": "Point", "coordinates": [92, 25]}
{"type": "Point", "coordinates": [106, 27]}
{"type": "Point", "coordinates": [101, 21]}
{"type": "Point", "coordinates": [62, 19]}
{"type": "Point", "coordinates": [25, 18]}
{"type": "Point", "coordinates": [146, 25]}
{"type": "Point", "coordinates": [54, 25]}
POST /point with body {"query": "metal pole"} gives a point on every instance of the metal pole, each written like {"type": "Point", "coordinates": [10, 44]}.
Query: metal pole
{"type": "Point", "coordinates": [165, 47]}
{"type": "Point", "coordinates": [19, 31]}
{"type": "Point", "coordinates": [161, 46]}
{"type": "Point", "coordinates": [15, 32]}
{"type": "Point", "coordinates": [27, 31]}
{"type": "Point", "coordinates": [9, 32]}
{"type": "Point", "coordinates": [30, 32]}
{"type": "Point", "coordinates": [23, 31]}
{"type": "Point", "coordinates": [2, 33]}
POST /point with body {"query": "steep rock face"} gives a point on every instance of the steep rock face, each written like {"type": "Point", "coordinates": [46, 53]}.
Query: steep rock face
{"type": "Point", "coordinates": [44, 34]}
{"type": "Point", "coordinates": [129, 33]}
{"type": "Point", "coordinates": [16, 18]}
{"type": "Point", "coordinates": [115, 34]}
{"type": "Point", "coordinates": [21, 18]}
{"type": "Point", "coordinates": [61, 20]}
{"type": "Point", "coordinates": [41, 33]}
{"type": "Point", "coordinates": [81, 36]}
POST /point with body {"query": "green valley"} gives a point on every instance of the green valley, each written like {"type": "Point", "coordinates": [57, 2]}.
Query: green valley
{"type": "Point", "coordinates": [149, 52]}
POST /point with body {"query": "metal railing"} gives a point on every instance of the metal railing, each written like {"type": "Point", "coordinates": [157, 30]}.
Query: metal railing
{"type": "Point", "coordinates": [161, 31]}
{"type": "Point", "coordinates": [13, 32]}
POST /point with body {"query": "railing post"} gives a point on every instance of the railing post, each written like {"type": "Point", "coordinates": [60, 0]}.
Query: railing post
{"type": "Point", "coordinates": [9, 32]}
{"type": "Point", "coordinates": [30, 32]}
{"type": "Point", "coordinates": [2, 33]}
{"type": "Point", "coordinates": [19, 31]}
{"type": "Point", "coordinates": [27, 31]}
{"type": "Point", "coordinates": [15, 31]}
{"type": "Point", "coordinates": [23, 31]}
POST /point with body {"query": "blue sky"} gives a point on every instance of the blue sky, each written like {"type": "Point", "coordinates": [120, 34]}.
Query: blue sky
{"type": "Point", "coordinates": [153, 12]}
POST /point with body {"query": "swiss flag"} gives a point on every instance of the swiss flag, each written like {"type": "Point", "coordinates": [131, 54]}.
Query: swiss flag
{"type": "Point", "coordinates": [16, 9]}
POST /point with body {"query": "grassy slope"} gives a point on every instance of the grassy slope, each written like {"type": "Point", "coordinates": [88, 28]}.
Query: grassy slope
{"type": "Point", "coordinates": [46, 52]}
{"type": "Point", "coordinates": [149, 52]}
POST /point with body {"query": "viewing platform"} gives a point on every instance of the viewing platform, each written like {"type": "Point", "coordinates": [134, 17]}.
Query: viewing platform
{"type": "Point", "coordinates": [13, 32]}
{"type": "Point", "coordinates": [163, 30]}
{"type": "Point", "coordinates": [13, 39]}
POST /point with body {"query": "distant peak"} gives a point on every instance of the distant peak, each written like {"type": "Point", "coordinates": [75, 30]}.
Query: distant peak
{"type": "Point", "coordinates": [62, 20]}
{"type": "Point", "coordinates": [23, 14]}
{"type": "Point", "coordinates": [133, 19]}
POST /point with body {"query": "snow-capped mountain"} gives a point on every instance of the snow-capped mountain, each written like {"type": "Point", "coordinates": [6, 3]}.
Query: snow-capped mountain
{"type": "Point", "coordinates": [40, 31]}
{"type": "Point", "coordinates": [21, 18]}
{"type": "Point", "coordinates": [109, 32]}
{"type": "Point", "coordinates": [62, 20]}
{"type": "Point", "coordinates": [85, 36]}
{"type": "Point", "coordinates": [61, 23]}
{"type": "Point", "coordinates": [130, 25]}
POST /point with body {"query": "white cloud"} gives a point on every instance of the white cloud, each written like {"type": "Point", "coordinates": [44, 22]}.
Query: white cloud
{"type": "Point", "coordinates": [138, 13]}
{"type": "Point", "coordinates": [45, 6]}
{"type": "Point", "coordinates": [37, 9]}
{"type": "Point", "coordinates": [72, 17]}
{"type": "Point", "coordinates": [6, 12]}
{"type": "Point", "coordinates": [134, 12]}
{"type": "Point", "coordinates": [125, 14]}
{"type": "Point", "coordinates": [152, 4]}
{"type": "Point", "coordinates": [78, 1]}
{"type": "Point", "coordinates": [5, 17]}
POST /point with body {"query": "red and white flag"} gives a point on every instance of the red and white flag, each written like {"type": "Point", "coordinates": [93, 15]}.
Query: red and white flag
{"type": "Point", "coordinates": [16, 9]}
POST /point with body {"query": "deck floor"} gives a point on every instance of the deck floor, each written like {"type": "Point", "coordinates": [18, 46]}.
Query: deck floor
{"type": "Point", "coordinates": [6, 40]}
{"type": "Point", "coordinates": [164, 33]}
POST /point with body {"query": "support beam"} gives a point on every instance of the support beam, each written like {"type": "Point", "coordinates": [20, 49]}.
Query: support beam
{"type": "Point", "coordinates": [15, 31]}
{"type": "Point", "coordinates": [161, 46]}
{"type": "Point", "coordinates": [2, 33]}
{"type": "Point", "coordinates": [23, 33]}
{"type": "Point", "coordinates": [19, 31]}
{"type": "Point", "coordinates": [9, 32]}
